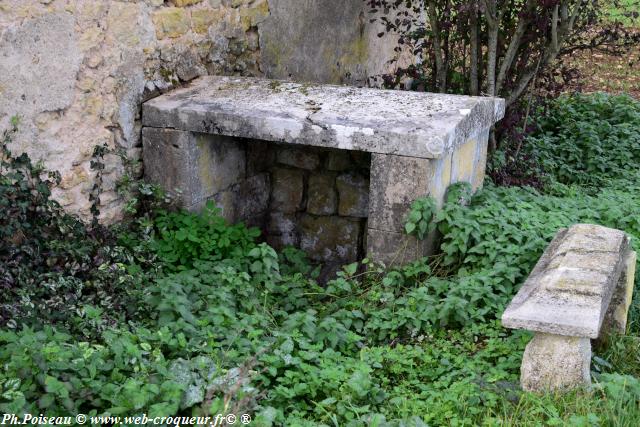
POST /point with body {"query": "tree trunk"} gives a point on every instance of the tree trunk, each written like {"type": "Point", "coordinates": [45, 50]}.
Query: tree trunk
{"type": "Point", "coordinates": [514, 46]}
{"type": "Point", "coordinates": [441, 72]}
{"type": "Point", "coordinates": [493, 26]}
{"type": "Point", "coordinates": [560, 29]}
{"type": "Point", "coordinates": [473, 53]}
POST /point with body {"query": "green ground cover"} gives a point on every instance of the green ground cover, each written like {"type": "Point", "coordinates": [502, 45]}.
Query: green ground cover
{"type": "Point", "coordinates": [626, 12]}
{"type": "Point", "coordinates": [175, 313]}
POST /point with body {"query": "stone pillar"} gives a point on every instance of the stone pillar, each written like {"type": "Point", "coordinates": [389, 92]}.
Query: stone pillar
{"type": "Point", "coordinates": [469, 160]}
{"type": "Point", "coordinates": [556, 362]}
{"type": "Point", "coordinates": [195, 168]}
{"type": "Point", "coordinates": [396, 181]}
{"type": "Point", "coordinates": [615, 320]}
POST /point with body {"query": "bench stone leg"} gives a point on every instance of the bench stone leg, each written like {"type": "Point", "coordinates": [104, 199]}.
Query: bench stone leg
{"type": "Point", "coordinates": [615, 320]}
{"type": "Point", "coordinates": [556, 362]}
{"type": "Point", "coordinates": [195, 168]}
{"type": "Point", "coordinates": [396, 181]}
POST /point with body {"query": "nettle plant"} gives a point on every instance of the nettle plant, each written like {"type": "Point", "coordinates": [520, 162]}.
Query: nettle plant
{"type": "Point", "coordinates": [419, 220]}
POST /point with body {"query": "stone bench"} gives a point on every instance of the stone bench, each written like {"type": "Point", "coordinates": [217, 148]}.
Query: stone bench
{"type": "Point", "coordinates": [579, 290]}
{"type": "Point", "coordinates": [342, 167]}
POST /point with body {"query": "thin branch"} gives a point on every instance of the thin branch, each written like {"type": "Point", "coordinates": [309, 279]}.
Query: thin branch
{"type": "Point", "coordinates": [554, 29]}
{"type": "Point", "coordinates": [473, 54]}
{"type": "Point", "coordinates": [441, 74]}
{"type": "Point", "coordinates": [549, 54]}
{"type": "Point", "coordinates": [514, 45]}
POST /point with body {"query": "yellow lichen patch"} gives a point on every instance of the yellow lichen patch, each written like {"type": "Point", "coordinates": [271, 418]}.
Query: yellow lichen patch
{"type": "Point", "coordinates": [354, 54]}
{"type": "Point", "coordinates": [202, 19]}
{"type": "Point", "coordinates": [171, 22]}
{"type": "Point", "coordinates": [122, 23]}
{"type": "Point", "coordinates": [463, 161]}
{"type": "Point", "coordinates": [252, 16]}
{"type": "Point", "coordinates": [440, 178]}
{"type": "Point", "coordinates": [622, 310]}
{"type": "Point", "coordinates": [183, 3]}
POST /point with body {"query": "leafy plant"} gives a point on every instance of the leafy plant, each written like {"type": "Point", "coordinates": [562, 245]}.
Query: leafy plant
{"type": "Point", "coordinates": [589, 139]}
{"type": "Point", "coordinates": [179, 313]}
{"type": "Point", "coordinates": [183, 238]}
{"type": "Point", "coordinates": [420, 217]}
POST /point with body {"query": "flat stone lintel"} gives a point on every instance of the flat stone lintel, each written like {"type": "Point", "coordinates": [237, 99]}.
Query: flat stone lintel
{"type": "Point", "coordinates": [412, 124]}
{"type": "Point", "coordinates": [569, 290]}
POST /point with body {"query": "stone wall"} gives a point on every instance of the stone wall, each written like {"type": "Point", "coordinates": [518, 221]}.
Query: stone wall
{"type": "Point", "coordinates": [76, 71]}
{"type": "Point", "coordinates": [316, 199]}
{"type": "Point", "coordinates": [319, 202]}
{"type": "Point", "coordinates": [325, 41]}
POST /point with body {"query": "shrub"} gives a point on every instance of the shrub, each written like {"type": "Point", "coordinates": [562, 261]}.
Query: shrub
{"type": "Point", "coordinates": [589, 139]}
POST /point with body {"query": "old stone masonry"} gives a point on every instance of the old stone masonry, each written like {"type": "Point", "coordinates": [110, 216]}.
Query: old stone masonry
{"type": "Point", "coordinates": [331, 169]}
{"type": "Point", "coordinates": [77, 71]}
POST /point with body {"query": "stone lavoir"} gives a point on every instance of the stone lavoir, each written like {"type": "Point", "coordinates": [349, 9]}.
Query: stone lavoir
{"type": "Point", "coordinates": [330, 169]}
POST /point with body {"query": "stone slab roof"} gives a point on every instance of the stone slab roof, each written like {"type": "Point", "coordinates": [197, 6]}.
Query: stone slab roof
{"type": "Point", "coordinates": [570, 288]}
{"type": "Point", "coordinates": [424, 125]}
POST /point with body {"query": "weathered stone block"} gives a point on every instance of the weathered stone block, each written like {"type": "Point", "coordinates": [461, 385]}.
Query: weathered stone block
{"type": "Point", "coordinates": [202, 19]}
{"type": "Point", "coordinates": [322, 197]}
{"type": "Point", "coordinates": [570, 288]}
{"type": "Point", "coordinates": [555, 362]}
{"type": "Point", "coordinates": [39, 66]}
{"type": "Point", "coordinates": [221, 162]}
{"type": "Point", "coordinates": [169, 160]}
{"type": "Point", "coordinates": [397, 181]}
{"type": "Point", "coordinates": [463, 162]}
{"type": "Point", "coordinates": [288, 188]}
{"type": "Point", "coordinates": [252, 16]}
{"type": "Point", "coordinates": [392, 248]}
{"type": "Point", "coordinates": [281, 223]}
{"type": "Point", "coordinates": [184, 3]}
{"type": "Point", "coordinates": [424, 125]}
{"type": "Point", "coordinates": [123, 25]}
{"type": "Point", "coordinates": [253, 196]}
{"type": "Point", "coordinates": [338, 160]}
{"type": "Point", "coordinates": [328, 238]}
{"type": "Point", "coordinates": [171, 22]}
{"type": "Point", "coordinates": [299, 158]}
{"type": "Point", "coordinates": [353, 191]}
{"type": "Point", "coordinates": [615, 320]}
{"type": "Point", "coordinates": [282, 230]}
{"type": "Point", "coordinates": [480, 162]}
{"type": "Point", "coordinates": [192, 167]}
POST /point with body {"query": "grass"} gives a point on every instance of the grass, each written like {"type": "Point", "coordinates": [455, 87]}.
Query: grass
{"type": "Point", "coordinates": [627, 12]}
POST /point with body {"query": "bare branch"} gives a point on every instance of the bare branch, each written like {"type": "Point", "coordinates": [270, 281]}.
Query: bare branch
{"type": "Point", "coordinates": [514, 45]}
{"type": "Point", "coordinates": [554, 29]}
{"type": "Point", "coordinates": [441, 72]}
{"type": "Point", "coordinates": [474, 44]}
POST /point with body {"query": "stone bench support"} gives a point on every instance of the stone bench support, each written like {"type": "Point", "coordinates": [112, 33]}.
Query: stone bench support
{"type": "Point", "coordinates": [204, 140]}
{"type": "Point", "coordinates": [580, 289]}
